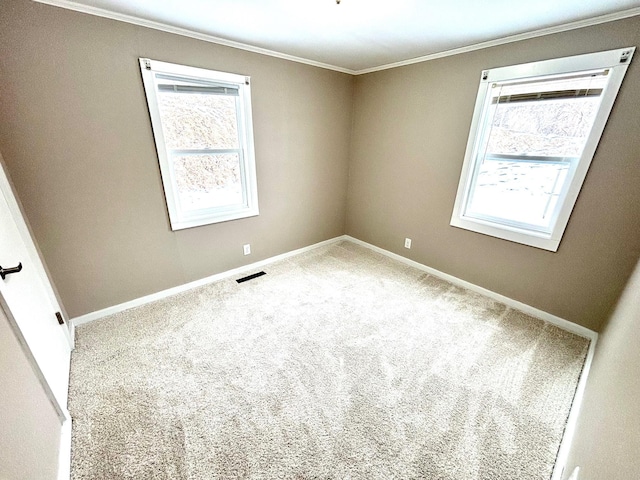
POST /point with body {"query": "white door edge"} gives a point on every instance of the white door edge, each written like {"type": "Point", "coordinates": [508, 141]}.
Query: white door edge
{"type": "Point", "coordinates": [16, 212]}
{"type": "Point", "coordinates": [64, 458]}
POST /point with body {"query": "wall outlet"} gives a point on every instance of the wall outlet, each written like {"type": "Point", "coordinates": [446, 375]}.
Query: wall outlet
{"type": "Point", "coordinates": [407, 243]}
{"type": "Point", "coordinates": [246, 249]}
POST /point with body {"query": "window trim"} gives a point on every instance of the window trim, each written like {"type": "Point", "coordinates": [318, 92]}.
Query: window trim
{"type": "Point", "coordinates": [178, 218]}
{"type": "Point", "coordinates": [617, 61]}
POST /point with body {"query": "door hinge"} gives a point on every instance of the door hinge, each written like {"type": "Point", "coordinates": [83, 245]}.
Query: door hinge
{"type": "Point", "coordinates": [60, 319]}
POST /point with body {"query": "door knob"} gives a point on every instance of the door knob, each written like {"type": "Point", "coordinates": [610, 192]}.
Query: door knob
{"type": "Point", "coordinates": [8, 271]}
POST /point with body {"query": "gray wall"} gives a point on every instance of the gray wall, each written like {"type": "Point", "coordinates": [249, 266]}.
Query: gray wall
{"type": "Point", "coordinates": [30, 428]}
{"type": "Point", "coordinates": [410, 131]}
{"type": "Point", "coordinates": [607, 443]}
{"type": "Point", "coordinates": [77, 141]}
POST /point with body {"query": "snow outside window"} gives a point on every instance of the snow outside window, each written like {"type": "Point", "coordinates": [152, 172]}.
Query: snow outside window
{"type": "Point", "coordinates": [201, 122]}
{"type": "Point", "coordinates": [534, 132]}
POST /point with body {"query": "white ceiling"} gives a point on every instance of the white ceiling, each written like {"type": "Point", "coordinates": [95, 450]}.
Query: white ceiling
{"type": "Point", "coordinates": [357, 36]}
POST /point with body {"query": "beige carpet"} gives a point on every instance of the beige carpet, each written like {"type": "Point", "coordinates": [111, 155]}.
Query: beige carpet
{"type": "Point", "coordinates": [338, 364]}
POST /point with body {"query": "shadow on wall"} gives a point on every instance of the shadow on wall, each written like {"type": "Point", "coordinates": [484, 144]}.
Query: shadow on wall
{"type": "Point", "coordinates": [607, 438]}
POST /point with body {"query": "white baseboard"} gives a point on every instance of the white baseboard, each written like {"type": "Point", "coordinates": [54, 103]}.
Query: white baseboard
{"type": "Point", "coordinates": [90, 317]}
{"type": "Point", "coordinates": [64, 456]}
{"type": "Point", "coordinates": [572, 420]}
{"type": "Point", "coordinates": [523, 307]}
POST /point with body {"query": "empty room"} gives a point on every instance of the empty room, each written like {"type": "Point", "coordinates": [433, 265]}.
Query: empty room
{"type": "Point", "coordinates": [319, 240]}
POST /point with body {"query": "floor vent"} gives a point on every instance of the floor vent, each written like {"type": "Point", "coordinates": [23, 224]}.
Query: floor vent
{"type": "Point", "coordinates": [250, 277]}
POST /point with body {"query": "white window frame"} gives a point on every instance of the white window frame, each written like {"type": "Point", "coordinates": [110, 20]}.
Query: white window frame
{"type": "Point", "coordinates": [178, 218]}
{"type": "Point", "coordinates": [617, 62]}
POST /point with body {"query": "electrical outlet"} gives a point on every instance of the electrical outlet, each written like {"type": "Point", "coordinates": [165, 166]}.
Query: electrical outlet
{"type": "Point", "coordinates": [246, 249]}
{"type": "Point", "coordinates": [407, 243]}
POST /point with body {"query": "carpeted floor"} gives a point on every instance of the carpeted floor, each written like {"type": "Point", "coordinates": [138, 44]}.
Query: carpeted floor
{"type": "Point", "coordinates": [340, 363]}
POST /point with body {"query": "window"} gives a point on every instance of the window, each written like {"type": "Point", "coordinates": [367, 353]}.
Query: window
{"type": "Point", "coordinates": [201, 122]}
{"type": "Point", "coordinates": [533, 135]}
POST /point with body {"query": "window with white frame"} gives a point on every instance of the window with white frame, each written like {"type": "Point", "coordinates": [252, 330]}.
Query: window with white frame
{"type": "Point", "coordinates": [533, 135]}
{"type": "Point", "coordinates": [201, 121]}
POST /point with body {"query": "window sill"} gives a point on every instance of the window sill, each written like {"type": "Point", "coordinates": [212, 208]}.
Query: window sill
{"type": "Point", "coordinates": [513, 234]}
{"type": "Point", "coordinates": [211, 219]}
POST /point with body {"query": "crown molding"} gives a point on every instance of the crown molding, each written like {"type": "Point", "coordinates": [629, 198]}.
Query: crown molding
{"type": "Point", "coordinates": [610, 17]}
{"type": "Point", "coordinates": [164, 27]}
{"type": "Point", "coordinates": [100, 12]}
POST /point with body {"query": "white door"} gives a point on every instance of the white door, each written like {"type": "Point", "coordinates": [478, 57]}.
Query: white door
{"type": "Point", "coordinates": [28, 299]}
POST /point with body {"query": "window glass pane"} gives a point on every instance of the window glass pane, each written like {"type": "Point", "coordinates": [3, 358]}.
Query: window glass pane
{"type": "Point", "coordinates": [533, 133]}
{"type": "Point", "coordinates": [518, 191]}
{"type": "Point", "coordinates": [557, 128]}
{"type": "Point", "coordinates": [208, 181]}
{"type": "Point", "coordinates": [198, 121]}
